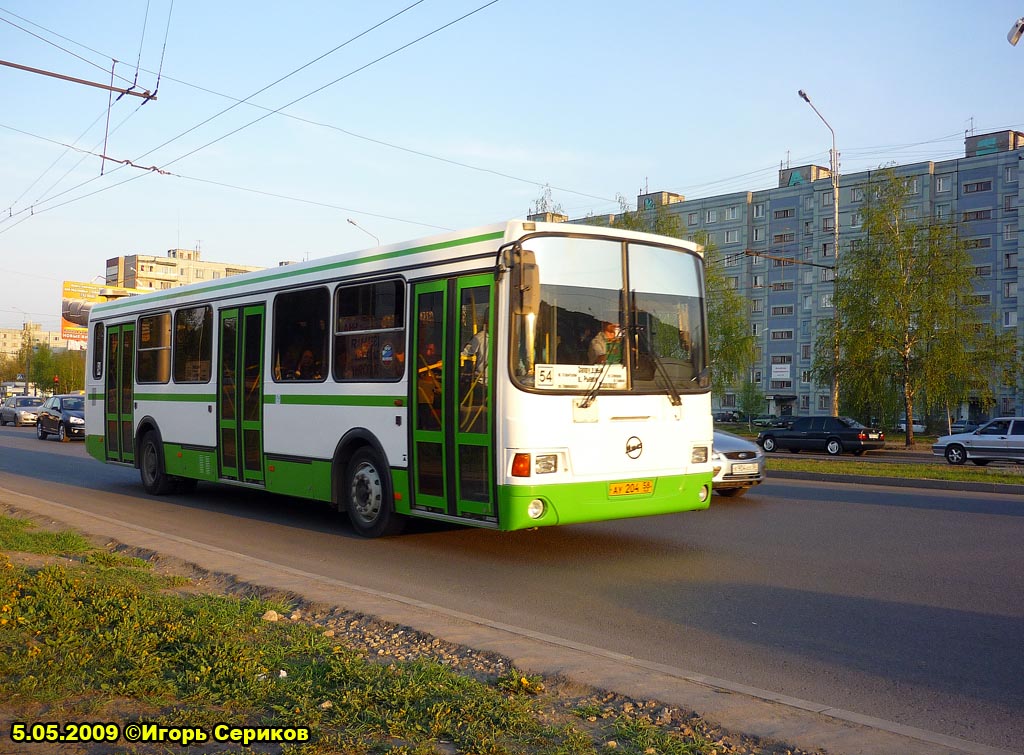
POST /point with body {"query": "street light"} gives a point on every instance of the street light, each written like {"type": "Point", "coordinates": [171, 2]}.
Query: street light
{"type": "Point", "coordinates": [1013, 36]}
{"type": "Point", "coordinates": [834, 168]}
{"type": "Point", "coordinates": [364, 230]}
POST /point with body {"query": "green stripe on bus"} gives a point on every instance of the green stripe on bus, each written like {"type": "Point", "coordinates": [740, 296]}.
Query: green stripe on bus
{"type": "Point", "coordinates": [132, 301]}
{"type": "Point", "coordinates": [196, 397]}
{"type": "Point", "coordinates": [334, 400]}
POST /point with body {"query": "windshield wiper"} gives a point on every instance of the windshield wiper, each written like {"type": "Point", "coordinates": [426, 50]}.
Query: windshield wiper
{"type": "Point", "coordinates": [592, 393]}
{"type": "Point", "coordinates": [670, 386]}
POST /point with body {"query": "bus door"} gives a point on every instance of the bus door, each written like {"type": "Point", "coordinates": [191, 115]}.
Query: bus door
{"type": "Point", "coordinates": [120, 394]}
{"type": "Point", "coordinates": [452, 397]}
{"type": "Point", "coordinates": [240, 394]}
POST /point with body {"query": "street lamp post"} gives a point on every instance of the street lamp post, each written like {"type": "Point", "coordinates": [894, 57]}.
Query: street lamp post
{"type": "Point", "coordinates": [834, 169]}
{"type": "Point", "coordinates": [364, 230]}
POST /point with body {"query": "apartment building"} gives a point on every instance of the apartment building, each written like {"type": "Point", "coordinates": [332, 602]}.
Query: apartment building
{"type": "Point", "coordinates": [178, 268]}
{"type": "Point", "coordinates": [778, 249]}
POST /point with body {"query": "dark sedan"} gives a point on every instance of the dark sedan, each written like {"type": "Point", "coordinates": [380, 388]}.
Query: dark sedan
{"type": "Point", "coordinates": [63, 416]}
{"type": "Point", "coordinates": [833, 435]}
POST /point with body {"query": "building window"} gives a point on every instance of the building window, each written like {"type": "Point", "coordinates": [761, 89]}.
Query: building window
{"type": "Point", "coordinates": [783, 238]}
{"type": "Point", "coordinates": [1010, 260]}
{"type": "Point", "coordinates": [1010, 175]}
{"type": "Point", "coordinates": [828, 224]}
{"type": "Point", "coordinates": [755, 328]}
{"type": "Point", "coordinates": [759, 234]}
{"type": "Point", "coordinates": [977, 215]}
{"type": "Point", "coordinates": [782, 286]}
{"type": "Point", "coordinates": [942, 211]}
{"type": "Point", "coordinates": [786, 335]}
{"type": "Point", "coordinates": [805, 351]}
{"type": "Point", "coordinates": [711, 216]}
{"type": "Point", "coordinates": [981, 300]}
{"type": "Point", "coordinates": [913, 185]}
{"type": "Point", "coordinates": [828, 249]}
{"type": "Point", "coordinates": [856, 220]}
{"type": "Point", "coordinates": [732, 213]}
{"type": "Point", "coordinates": [808, 227]}
{"type": "Point", "coordinates": [983, 243]}
{"type": "Point", "coordinates": [805, 376]}
{"type": "Point", "coordinates": [1010, 290]}
{"type": "Point", "coordinates": [729, 401]}
{"type": "Point", "coordinates": [757, 377]}
{"type": "Point", "coordinates": [983, 270]}
{"type": "Point", "coordinates": [824, 402]}
{"type": "Point", "coordinates": [1010, 318]}
{"type": "Point", "coordinates": [691, 219]}
{"type": "Point", "coordinates": [977, 186]}
{"type": "Point", "coordinates": [808, 277]}
{"type": "Point", "coordinates": [827, 274]}
{"type": "Point", "coordinates": [732, 237]}
{"type": "Point", "coordinates": [759, 210]}
{"type": "Point", "coordinates": [779, 384]}
{"type": "Point", "coordinates": [781, 262]}
{"type": "Point", "coordinates": [757, 281]}
{"type": "Point", "coordinates": [805, 403]}
{"type": "Point", "coordinates": [942, 184]}
{"type": "Point", "coordinates": [734, 282]}
{"type": "Point", "coordinates": [757, 305]}
{"type": "Point", "coordinates": [1010, 204]}
{"type": "Point", "coordinates": [1010, 232]}
{"type": "Point", "coordinates": [826, 301]}
{"type": "Point", "coordinates": [783, 214]}
{"type": "Point", "coordinates": [782, 309]}
{"type": "Point", "coordinates": [857, 194]}
{"type": "Point", "coordinates": [826, 199]}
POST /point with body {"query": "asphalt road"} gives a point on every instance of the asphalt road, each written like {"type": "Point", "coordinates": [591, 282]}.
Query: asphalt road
{"type": "Point", "coordinates": [901, 604]}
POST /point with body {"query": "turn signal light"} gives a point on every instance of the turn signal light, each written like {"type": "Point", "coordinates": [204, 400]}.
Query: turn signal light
{"type": "Point", "coordinates": [521, 465]}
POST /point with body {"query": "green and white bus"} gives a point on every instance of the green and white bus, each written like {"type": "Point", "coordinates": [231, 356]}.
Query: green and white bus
{"type": "Point", "coordinates": [510, 376]}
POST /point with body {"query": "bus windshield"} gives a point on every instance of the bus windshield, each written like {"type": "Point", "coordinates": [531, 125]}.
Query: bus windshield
{"type": "Point", "coordinates": [613, 316]}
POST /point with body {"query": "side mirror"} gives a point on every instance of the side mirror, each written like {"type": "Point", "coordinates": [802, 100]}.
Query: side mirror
{"type": "Point", "coordinates": [525, 283]}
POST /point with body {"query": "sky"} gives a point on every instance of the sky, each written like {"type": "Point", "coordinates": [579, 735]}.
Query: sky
{"type": "Point", "coordinates": [275, 124]}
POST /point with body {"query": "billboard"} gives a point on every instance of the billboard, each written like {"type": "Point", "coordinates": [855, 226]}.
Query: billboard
{"type": "Point", "coordinates": [78, 298]}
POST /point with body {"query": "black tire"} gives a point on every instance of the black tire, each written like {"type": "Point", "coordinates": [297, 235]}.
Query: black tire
{"type": "Point", "coordinates": [62, 433]}
{"type": "Point", "coordinates": [768, 443]}
{"type": "Point", "coordinates": [40, 432]}
{"type": "Point", "coordinates": [730, 492]}
{"type": "Point", "coordinates": [367, 497]}
{"type": "Point", "coordinates": [833, 447]}
{"type": "Point", "coordinates": [794, 450]}
{"type": "Point", "coordinates": [980, 462]}
{"type": "Point", "coordinates": [151, 466]}
{"type": "Point", "coordinates": [955, 454]}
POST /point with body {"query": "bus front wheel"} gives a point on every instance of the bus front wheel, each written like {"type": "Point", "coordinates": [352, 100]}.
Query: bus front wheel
{"type": "Point", "coordinates": [367, 496]}
{"type": "Point", "coordinates": [151, 466]}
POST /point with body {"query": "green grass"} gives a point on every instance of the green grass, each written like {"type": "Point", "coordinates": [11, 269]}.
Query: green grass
{"type": "Point", "coordinates": [939, 470]}
{"type": "Point", "coordinates": [103, 633]}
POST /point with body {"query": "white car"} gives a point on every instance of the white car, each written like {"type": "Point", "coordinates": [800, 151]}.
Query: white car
{"type": "Point", "coordinates": [918, 425]}
{"type": "Point", "coordinates": [738, 464]}
{"type": "Point", "coordinates": [1000, 439]}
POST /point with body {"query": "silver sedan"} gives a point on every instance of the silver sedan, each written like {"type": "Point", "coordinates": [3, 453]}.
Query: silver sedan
{"type": "Point", "coordinates": [20, 410]}
{"type": "Point", "coordinates": [738, 464]}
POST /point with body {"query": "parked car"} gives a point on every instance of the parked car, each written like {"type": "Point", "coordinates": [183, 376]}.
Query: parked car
{"type": "Point", "coordinates": [834, 435]}
{"type": "Point", "coordinates": [726, 416]}
{"type": "Point", "coordinates": [962, 426]}
{"type": "Point", "coordinates": [999, 439]}
{"type": "Point", "coordinates": [62, 415]}
{"type": "Point", "coordinates": [738, 464]}
{"type": "Point", "coordinates": [764, 420]}
{"type": "Point", "coordinates": [20, 410]}
{"type": "Point", "coordinates": [917, 424]}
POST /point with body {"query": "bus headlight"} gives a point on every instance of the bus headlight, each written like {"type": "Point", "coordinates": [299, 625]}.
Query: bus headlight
{"type": "Point", "coordinates": [535, 509]}
{"type": "Point", "coordinates": [699, 455]}
{"type": "Point", "coordinates": [704, 494]}
{"type": "Point", "coordinates": [546, 464]}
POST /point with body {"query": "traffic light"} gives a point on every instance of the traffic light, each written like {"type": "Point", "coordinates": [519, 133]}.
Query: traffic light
{"type": "Point", "coordinates": [56, 382]}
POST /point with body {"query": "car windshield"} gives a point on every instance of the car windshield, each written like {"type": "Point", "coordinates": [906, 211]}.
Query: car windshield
{"type": "Point", "coordinates": [851, 422]}
{"type": "Point", "coordinates": [30, 401]}
{"type": "Point", "coordinates": [73, 404]}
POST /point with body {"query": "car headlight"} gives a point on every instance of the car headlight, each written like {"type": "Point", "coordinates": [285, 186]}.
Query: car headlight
{"type": "Point", "coordinates": [76, 420]}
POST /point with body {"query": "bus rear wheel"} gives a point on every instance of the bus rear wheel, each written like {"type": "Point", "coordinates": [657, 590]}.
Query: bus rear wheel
{"type": "Point", "coordinates": [367, 496]}
{"type": "Point", "coordinates": [151, 466]}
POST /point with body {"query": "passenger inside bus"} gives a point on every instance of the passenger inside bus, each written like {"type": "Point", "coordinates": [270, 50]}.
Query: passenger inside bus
{"type": "Point", "coordinates": [307, 367]}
